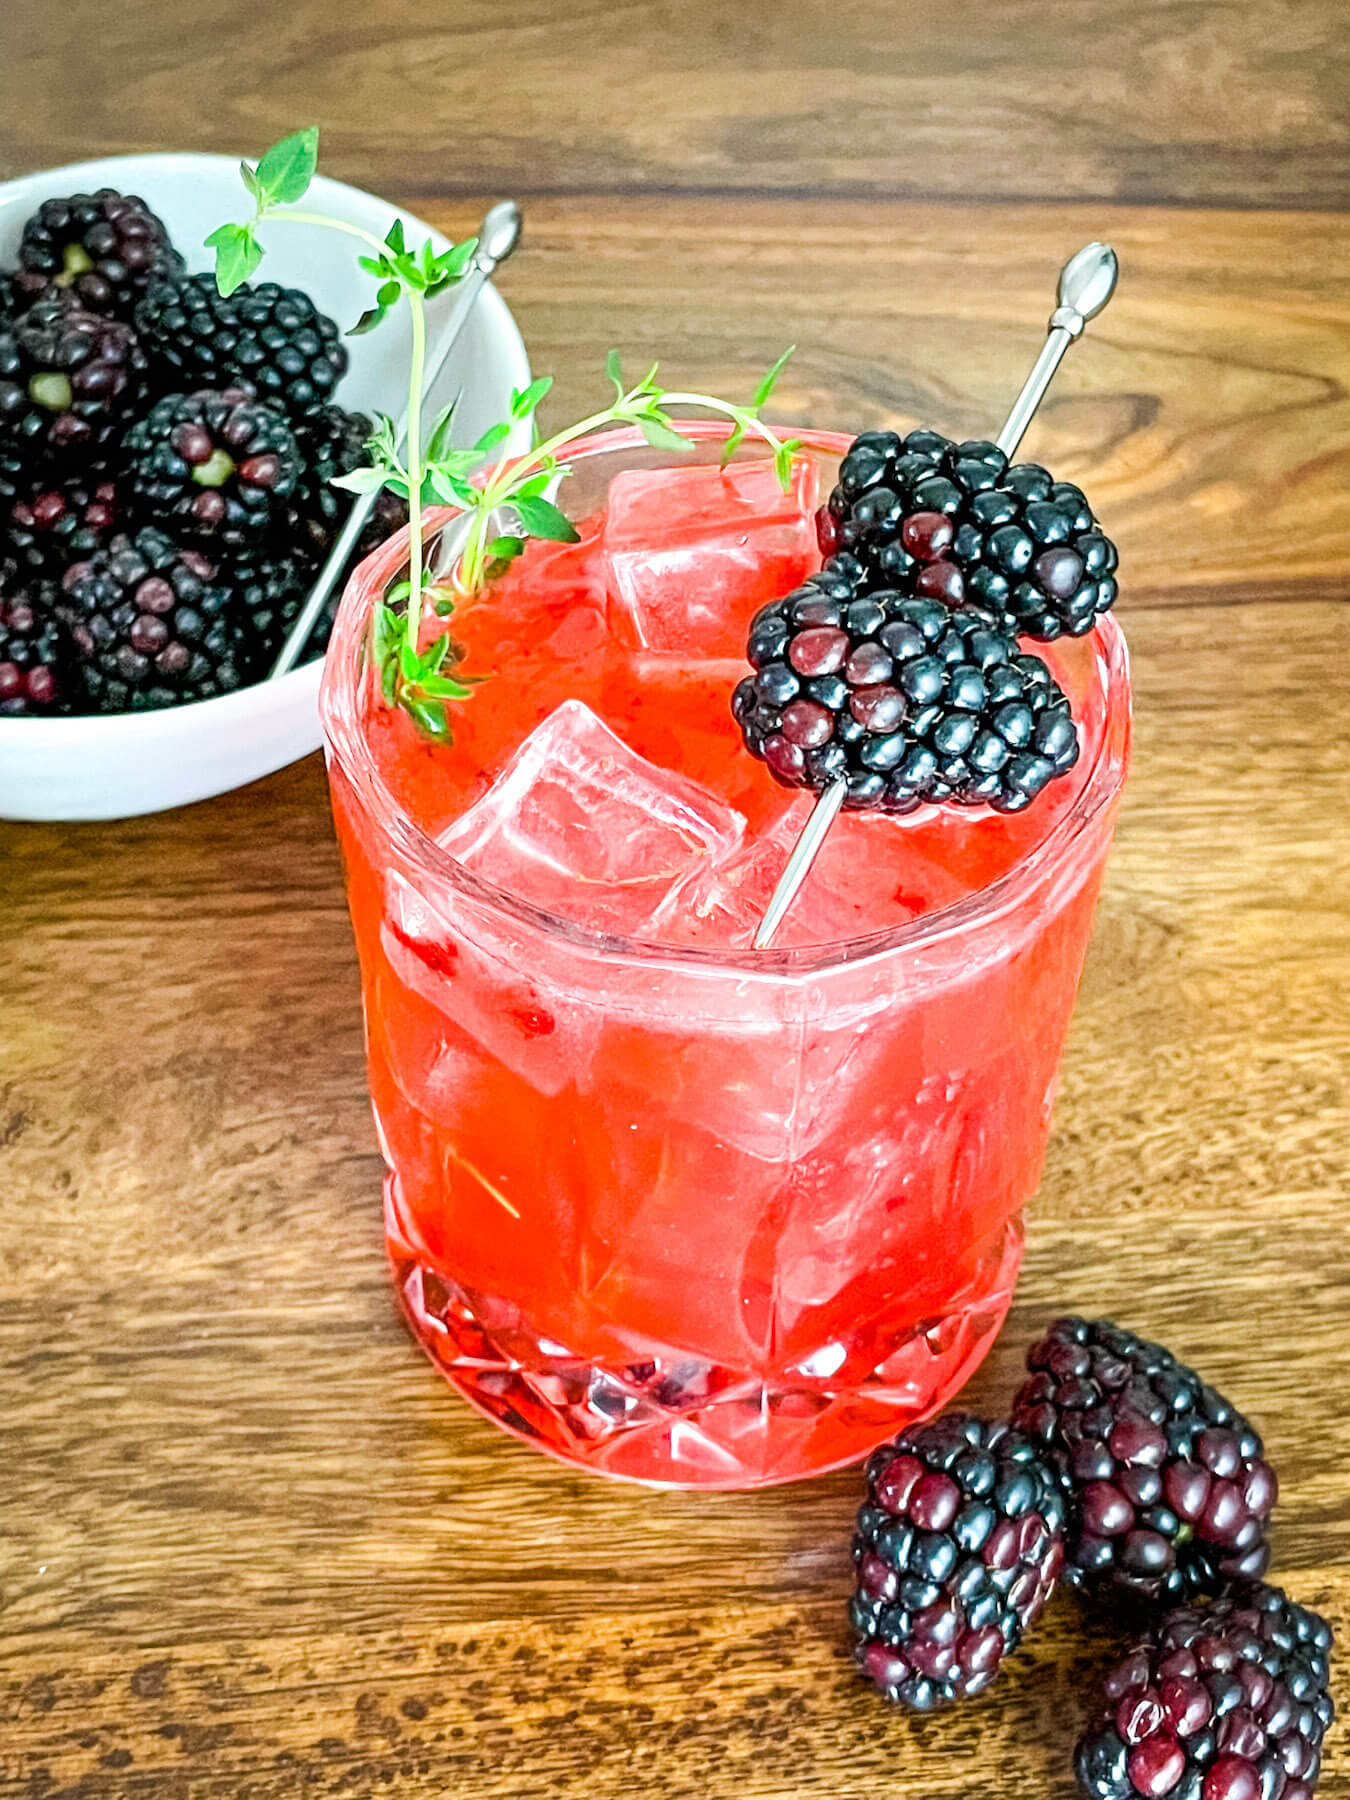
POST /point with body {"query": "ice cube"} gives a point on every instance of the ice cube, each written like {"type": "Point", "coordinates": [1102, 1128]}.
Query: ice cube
{"type": "Point", "coordinates": [580, 825]}
{"type": "Point", "coordinates": [870, 876]}
{"type": "Point", "coordinates": [693, 552]}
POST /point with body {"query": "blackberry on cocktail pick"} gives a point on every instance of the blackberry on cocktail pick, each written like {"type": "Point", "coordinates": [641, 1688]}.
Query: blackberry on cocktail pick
{"type": "Point", "coordinates": [217, 465]}
{"type": "Point", "coordinates": [1086, 283]}
{"type": "Point", "coordinates": [954, 521]}
{"type": "Point", "coordinates": [1226, 1702]}
{"type": "Point", "coordinates": [103, 249]}
{"type": "Point", "coordinates": [958, 1548]}
{"type": "Point", "coordinates": [903, 700]}
{"type": "Point", "coordinates": [1169, 1493]}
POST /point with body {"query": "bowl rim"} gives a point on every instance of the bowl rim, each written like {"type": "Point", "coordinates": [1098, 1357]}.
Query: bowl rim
{"type": "Point", "coordinates": [347, 747]}
{"type": "Point", "coordinates": [263, 697]}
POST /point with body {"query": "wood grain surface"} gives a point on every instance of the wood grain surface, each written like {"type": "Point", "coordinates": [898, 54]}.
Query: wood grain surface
{"type": "Point", "coordinates": [249, 1545]}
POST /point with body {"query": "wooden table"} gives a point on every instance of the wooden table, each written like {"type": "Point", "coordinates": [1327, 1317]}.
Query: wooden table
{"type": "Point", "coordinates": [249, 1545]}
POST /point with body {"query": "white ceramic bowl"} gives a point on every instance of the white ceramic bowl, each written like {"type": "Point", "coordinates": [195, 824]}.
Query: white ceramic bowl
{"type": "Point", "coordinates": [119, 766]}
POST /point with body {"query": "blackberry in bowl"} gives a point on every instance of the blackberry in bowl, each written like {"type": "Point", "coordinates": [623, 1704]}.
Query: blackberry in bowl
{"type": "Point", "coordinates": [271, 337]}
{"type": "Point", "coordinates": [217, 465]}
{"type": "Point", "coordinates": [71, 382]}
{"type": "Point", "coordinates": [104, 249]}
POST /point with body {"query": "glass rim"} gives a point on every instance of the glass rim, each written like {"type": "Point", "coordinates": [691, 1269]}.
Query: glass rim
{"type": "Point", "coordinates": [345, 741]}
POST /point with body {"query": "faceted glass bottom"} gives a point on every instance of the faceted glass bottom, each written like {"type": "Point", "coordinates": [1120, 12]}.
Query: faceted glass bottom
{"type": "Point", "coordinates": [669, 1419]}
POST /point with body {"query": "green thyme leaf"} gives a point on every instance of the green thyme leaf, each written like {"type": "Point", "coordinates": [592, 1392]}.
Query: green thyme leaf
{"type": "Point", "coordinates": [536, 484]}
{"type": "Point", "coordinates": [369, 319]}
{"type": "Point", "coordinates": [360, 481]}
{"type": "Point", "coordinates": [397, 595]}
{"type": "Point", "coordinates": [439, 443]}
{"type": "Point", "coordinates": [493, 437]}
{"type": "Point", "coordinates": [445, 687]}
{"type": "Point", "coordinates": [249, 176]}
{"type": "Point", "coordinates": [660, 434]}
{"type": "Point", "coordinates": [614, 369]}
{"type": "Point", "coordinates": [451, 265]}
{"type": "Point", "coordinates": [238, 254]}
{"type": "Point", "coordinates": [387, 629]}
{"type": "Point", "coordinates": [505, 549]}
{"type": "Point", "coordinates": [524, 402]}
{"type": "Point", "coordinates": [395, 238]}
{"type": "Point", "coordinates": [389, 678]}
{"type": "Point", "coordinates": [735, 437]}
{"type": "Point", "coordinates": [433, 656]}
{"type": "Point", "coordinates": [450, 490]}
{"type": "Point", "coordinates": [782, 462]}
{"type": "Point", "coordinates": [430, 715]}
{"type": "Point", "coordinates": [286, 170]}
{"type": "Point", "coordinates": [766, 386]}
{"type": "Point", "coordinates": [407, 661]}
{"type": "Point", "coordinates": [542, 519]}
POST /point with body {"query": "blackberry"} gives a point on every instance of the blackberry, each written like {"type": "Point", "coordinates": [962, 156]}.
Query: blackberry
{"type": "Point", "coordinates": [219, 466]}
{"type": "Point", "coordinates": [35, 652]}
{"type": "Point", "coordinates": [911, 701]}
{"type": "Point", "coordinates": [54, 524]}
{"type": "Point", "coordinates": [70, 383]}
{"type": "Point", "coordinates": [1169, 1493]}
{"type": "Point", "coordinates": [332, 442]}
{"type": "Point", "coordinates": [104, 249]}
{"type": "Point", "coordinates": [1226, 1703]}
{"type": "Point", "coordinates": [959, 1545]}
{"type": "Point", "coordinates": [269, 590]}
{"type": "Point", "coordinates": [271, 337]}
{"type": "Point", "coordinates": [957, 523]}
{"type": "Point", "coordinates": [151, 626]}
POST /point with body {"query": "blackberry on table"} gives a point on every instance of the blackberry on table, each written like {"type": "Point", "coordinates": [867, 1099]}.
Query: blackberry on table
{"type": "Point", "coordinates": [1228, 1702]}
{"type": "Point", "coordinates": [104, 249]}
{"type": "Point", "coordinates": [271, 337]}
{"type": "Point", "coordinates": [218, 465]}
{"type": "Point", "coordinates": [958, 1548]}
{"type": "Point", "coordinates": [55, 523]}
{"type": "Point", "coordinates": [1168, 1489]}
{"type": "Point", "coordinates": [912, 701]}
{"type": "Point", "coordinates": [956, 522]}
{"type": "Point", "coordinates": [71, 381]}
{"type": "Point", "coordinates": [35, 651]}
{"type": "Point", "coordinates": [151, 626]}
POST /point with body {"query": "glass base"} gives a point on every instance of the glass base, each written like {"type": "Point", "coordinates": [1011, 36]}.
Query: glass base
{"type": "Point", "coordinates": [668, 1419]}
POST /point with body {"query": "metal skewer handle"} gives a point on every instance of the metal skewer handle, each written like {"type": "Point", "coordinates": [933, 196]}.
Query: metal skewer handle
{"type": "Point", "coordinates": [1086, 282]}
{"type": "Point", "coordinates": [498, 236]}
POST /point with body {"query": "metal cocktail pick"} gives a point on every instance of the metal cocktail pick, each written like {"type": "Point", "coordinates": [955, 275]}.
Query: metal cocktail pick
{"type": "Point", "coordinates": [1086, 282]}
{"type": "Point", "coordinates": [498, 236]}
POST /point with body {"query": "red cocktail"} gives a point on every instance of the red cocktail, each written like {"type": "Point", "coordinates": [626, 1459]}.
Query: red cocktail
{"type": "Point", "coordinates": [672, 1208]}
